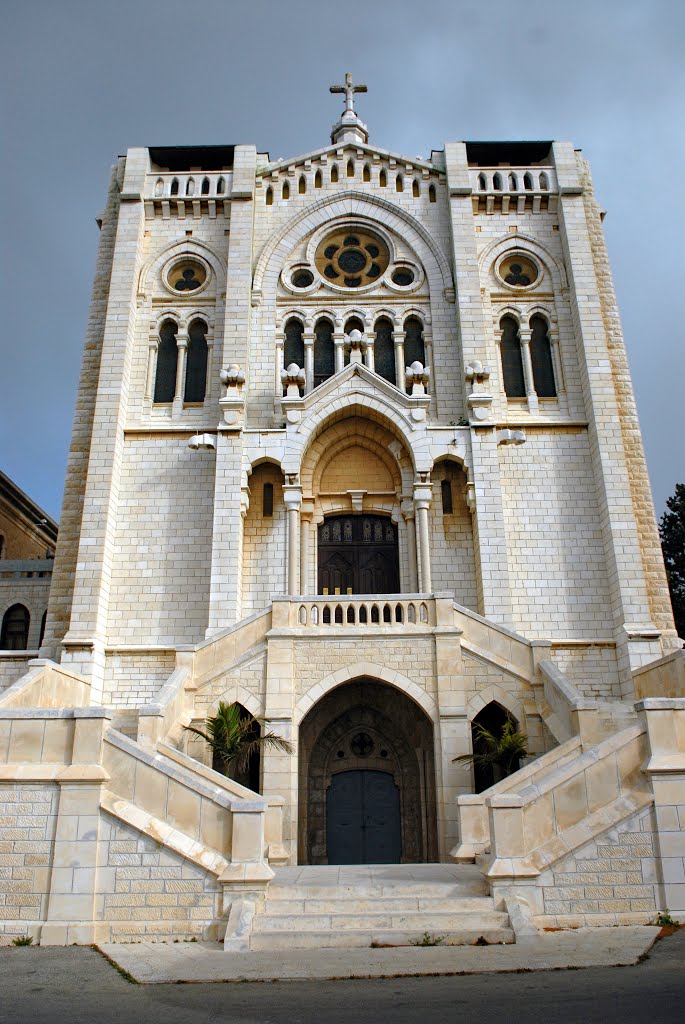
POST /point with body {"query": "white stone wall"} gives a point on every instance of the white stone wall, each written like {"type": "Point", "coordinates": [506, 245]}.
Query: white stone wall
{"type": "Point", "coordinates": [265, 549]}
{"type": "Point", "coordinates": [13, 667]}
{"type": "Point", "coordinates": [451, 540]}
{"type": "Point", "coordinates": [557, 569]}
{"type": "Point", "coordinates": [593, 669]}
{"type": "Point", "coordinates": [28, 816]}
{"type": "Point", "coordinates": [132, 679]}
{"type": "Point", "coordinates": [160, 575]}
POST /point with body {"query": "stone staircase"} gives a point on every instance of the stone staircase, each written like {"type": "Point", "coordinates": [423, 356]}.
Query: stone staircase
{"type": "Point", "coordinates": [394, 904]}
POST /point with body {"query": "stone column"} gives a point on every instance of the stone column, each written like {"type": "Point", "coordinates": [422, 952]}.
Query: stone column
{"type": "Point", "coordinates": [398, 339]}
{"type": "Point", "coordinates": [292, 497]}
{"type": "Point", "coordinates": [308, 337]}
{"type": "Point", "coordinates": [152, 346]}
{"type": "Point", "coordinates": [306, 513]}
{"type": "Point", "coordinates": [531, 394]}
{"type": "Point", "coordinates": [410, 521]}
{"type": "Point", "coordinates": [422, 500]}
{"type": "Point", "coordinates": [182, 350]}
{"type": "Point", "coordinates": [339, 343]}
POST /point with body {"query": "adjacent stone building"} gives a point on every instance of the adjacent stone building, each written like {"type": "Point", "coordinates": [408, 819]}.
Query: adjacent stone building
{"type": "Point", "coordinates": [356, 447]}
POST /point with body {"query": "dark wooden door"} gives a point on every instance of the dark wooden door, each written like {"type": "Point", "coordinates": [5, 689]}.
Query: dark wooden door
{"type": "Point", "coordinates": [363, 818]}
{"type": "Point", "coordinates": [358, 555]}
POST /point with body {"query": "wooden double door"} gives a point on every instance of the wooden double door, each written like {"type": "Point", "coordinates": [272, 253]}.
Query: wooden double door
{"type": "Point", "coordinates": [363, 818]}
{"type": "Point", "coordinates": [358, 554]}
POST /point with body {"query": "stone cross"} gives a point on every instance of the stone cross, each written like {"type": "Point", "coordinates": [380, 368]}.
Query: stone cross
{"type": "Point", "coordinates": [349, 89]}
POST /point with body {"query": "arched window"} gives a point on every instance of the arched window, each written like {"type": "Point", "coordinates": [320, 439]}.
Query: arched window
{"type": "Point", "coordinates": [196, 365]}
{"type": "Point", "coordinates": [205, 186]}
{"type": "Point", "coordinates": [544, 182]}
{"type": "Point", "coordinates": [446, 496]}
{"type": "Point", "coordinates": [334, 172]}
{"type": "Point", "coordinates": [541, 358]}
{"type": "Point", "coordinates": [366, 176]}
{"type": "Point", "coordinates": [431, 193]}
{"type": "Point", "coordinates": [167, 357]}
{"type": "Point", "coordinates": [415, 188]}
{"type": "Point", "coordinates": [286, 190]}
{"type": "Point", "coordinates": [318, 180]}
{"type": "Point", "coordinates": [159, 187]}
{"type": "Point", "coordinates": [221, 186]}
{"type": "Point", "coordinates": [43, 623]}
{"type": "Point", "coordinates": [414, 348]}
{"type": "Point", "coordinates": [383, 178]}
{"type": "Point", "coordinates": [15, 628]}
{"type": "Point", "coordinates": [174, 187]}
{"type": "Point", "coordinates": [269, 196]}
{"type": "Point", "coordinates": [384, 350]}
{"type": "Point", "coordinates": [293, 349]}
{"type": "Point", "coordinates": [350, 168]}
{"type": "Point", "coordinates": [190, 187]}
{"type": "Point", "coordinates": [497, 182]}
{"type": "Point", "coordinates": [482, 183]}
{"type": "Point", "coordinates": [324, 351]}
{"type": "Point", "coordinates": [302, 185]}
{"type": "Point", "coordinates": [512, 183]}
{"type": "Point", "coordinates": [512, 363]}
{"type": "Point", "coordinates": [399, 183]}
{"type": "Point", "coordinates": [354, 324]}
{"type": "Point", "coordinates": [528, 181]}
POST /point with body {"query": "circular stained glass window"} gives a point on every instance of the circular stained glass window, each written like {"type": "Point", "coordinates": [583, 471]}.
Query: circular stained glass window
{"type": "Point", "coordinates": [187, 276]}
{"type": "Point", "coordinates": [302, 278]}
{"type": "Point", "coordinates": [403, 277]}
{"type": "Point", "coordinates": [518, 271]}
{"type": "Point", "coordinates": [361, 745]}
{"type": "Point", "coordinates": [352, 260]}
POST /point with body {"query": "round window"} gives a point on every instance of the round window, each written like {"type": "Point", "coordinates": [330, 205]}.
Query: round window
{"type": "Point", "coordinates": [302, 278]}
{"type": "Point", "coordinates": [187, 276]}
{"type": "Point", "coordinates": [403, 277]}
{"type": "Point", "coordinates": [518, 271]}
{"type": "Point", "coordinates": [352, 261]}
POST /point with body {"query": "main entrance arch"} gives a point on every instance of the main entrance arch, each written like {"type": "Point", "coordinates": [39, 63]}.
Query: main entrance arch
{"type": "Point", "coordinates": [367, 778]}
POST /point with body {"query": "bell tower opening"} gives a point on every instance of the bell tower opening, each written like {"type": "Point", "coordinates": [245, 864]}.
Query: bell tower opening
{"type": "Point", "coordinates": [358, 554]}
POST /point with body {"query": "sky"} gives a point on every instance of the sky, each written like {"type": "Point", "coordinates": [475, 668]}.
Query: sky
{"type": "Point", "coordinates": [84, 80]}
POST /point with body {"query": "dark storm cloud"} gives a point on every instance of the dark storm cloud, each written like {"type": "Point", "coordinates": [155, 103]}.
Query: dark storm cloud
{"type": "Point", "coordinates": [86, 80]}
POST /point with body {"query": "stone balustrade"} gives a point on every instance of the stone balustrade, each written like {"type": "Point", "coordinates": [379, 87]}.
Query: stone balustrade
{"type": "Point", "coordinates": [513, 179]}
{"type": "Point", "coordinates": [381, 610]}
{"type": "Point", "coordinates": [191, 185]}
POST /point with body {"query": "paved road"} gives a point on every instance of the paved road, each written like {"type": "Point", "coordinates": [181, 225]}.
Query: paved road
{"type": "Point", "coordinates": [76, 986]}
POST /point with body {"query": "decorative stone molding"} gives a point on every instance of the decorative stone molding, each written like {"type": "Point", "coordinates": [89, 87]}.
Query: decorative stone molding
{"type": "Point", "coordinates": [356, 344]}
{"type": "Point", "coordinates": [233, 403]}
{"type": "Point", "coordinates": [202, 441]}
{"type": "Point", "coordinates": [417, 376]}
{"type": "Point", "coordinates": [508, 436]}
{"type": "Point", "coordinates": [480, 405]}
{"type": "Point", "coordinates": [476, 373]}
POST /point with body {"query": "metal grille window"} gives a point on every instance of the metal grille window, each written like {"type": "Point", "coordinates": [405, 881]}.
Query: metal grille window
{"type": "Point", "coordinates": [541, 358]}
{"type": "Point", "coordinates": [196, 368]}
{"type": "Point", "coordinates": [384, 350]}
{"type": "Point", "coordinates": [324, 354]}
{"type": "Point", "coordinates": [512, 363]}
{"type": "Point", "coordinates": [293, 351]}
{"type": "Point", "coordinates": [167, 356]}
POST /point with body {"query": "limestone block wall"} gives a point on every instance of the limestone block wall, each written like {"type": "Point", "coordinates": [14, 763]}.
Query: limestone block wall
{"type": "Point", "coordinates": [452, 554]}
{"type": "Point", "coordinates": [133, 678]}
{"type": "Point", "coordinates": [592, 668]}
{"type": "Point", "coordinates": [557, 568]}
{"type": "Point", "coordinates": [160, 575]}
{"type": "Point", "coordinates": [28, 817]}
{"type": "Point", "coordinates": [615, 878]}
{"type": "Point", "coordinates": [264, 543]}
{"type": "Point", "coordinates": [147, 892]}
{"type": "Point", "coordinates": [12, 667]}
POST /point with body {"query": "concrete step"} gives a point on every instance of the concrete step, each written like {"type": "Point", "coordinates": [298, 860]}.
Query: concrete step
{"type": "Point", "coordinates": [381, 920]}
{"type": "Point", "coordinates": [388, 904]}
{"type": "Point", "coordinates": [327, 939]}
{"type": "Point", "coordinates": [378, 890]}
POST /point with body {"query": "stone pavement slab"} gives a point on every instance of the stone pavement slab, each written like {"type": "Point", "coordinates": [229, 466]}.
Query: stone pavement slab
{"type": "Point", "coordinates": [156, 963]}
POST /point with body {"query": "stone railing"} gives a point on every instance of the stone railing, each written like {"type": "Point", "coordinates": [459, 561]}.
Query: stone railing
{"type": "Point", "coordinates": [662, 678]}
{"type": "Point", "coordinates": [188, 186]}
{"type": "Point", "coordinates": [47, 685]}
{"type": "Point", "coordinates": [513, 180]}
{"type": "Point", "coordinates": [384, 610]}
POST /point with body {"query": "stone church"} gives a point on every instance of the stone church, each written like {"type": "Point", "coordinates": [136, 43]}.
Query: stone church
{"type": "Point", "coordinates": [355, 447]}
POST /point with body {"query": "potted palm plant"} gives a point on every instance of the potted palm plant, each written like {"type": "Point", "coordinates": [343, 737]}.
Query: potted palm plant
{"type": "Point", "coordinates": [235, 738]}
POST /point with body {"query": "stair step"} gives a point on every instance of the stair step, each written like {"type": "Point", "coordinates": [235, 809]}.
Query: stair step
{"type": "Point", "coordinates": [365, 937]}
{"type": "Point", "coordinates": [381, 920]}
{"type": "Point", "coordinates": [378, 890]}
{"type": "Point", "coordinates": [388, 904]}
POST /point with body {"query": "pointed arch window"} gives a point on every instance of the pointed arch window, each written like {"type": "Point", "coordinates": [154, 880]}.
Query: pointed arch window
{"type": "Point", "coordinates": [318, 180]}
{"type": "Point", "coordinates": [15, 628]}
{"type": "Point", "coordinates": [221, 186]}
{"type": "Point", "coordinates": [350, 168]}
{"type": "Point", "coordinates": [399, 183]}
{"type": "Point", "coordinates": [324, 351]}
{"type": "Point", "coordinates": [415, 188]}
{"type": "Point", "coordinates": [334, 172]}
{"type": "Point", "coordinates": [431, 193]}
{"type": "Point", "coordinates": [302, 185]}
{"type": "Point", "coordinates": [512, 361]}
{"type": "Point", "coordinates": [293, 349]}
{"type": "Point", "coordinates": [205, 186]}
{"type": "Point", "coordinates": [174, 187]}
{"type": "Point", "coordinates": [366, 176]}
{"type": "Point", "coordinates": [541, 358]}
{"type": "Point", "coordinates": [196, 367]}
{"type": "Point", "coordinates": [383, 178]}
{"type": "Point", "coordinates": [269, 196]}
{"type": "Point", "coordinates": [167, 358]}
{"type": "Point", "coordinates": [384, 350]}
{"type": "Point", "coordinates": [286, 190]}
{"type": "Point", "coordinates": [414, 347]}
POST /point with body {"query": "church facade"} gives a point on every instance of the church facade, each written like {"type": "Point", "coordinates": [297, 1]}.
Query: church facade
{"type": "Point", "coordinates": [355, 447]}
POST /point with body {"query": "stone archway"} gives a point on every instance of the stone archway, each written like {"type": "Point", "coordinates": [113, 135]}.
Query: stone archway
{"type": "Point", "coordinates": [366, 743]}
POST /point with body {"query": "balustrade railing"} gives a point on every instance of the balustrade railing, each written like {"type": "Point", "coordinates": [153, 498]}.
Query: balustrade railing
{"type": "Point", "coordinates": [193, 185]}
{"type": "Point", "coordinates": [513, 180]}
{"type": "Point", "coordinates": [388, 610]}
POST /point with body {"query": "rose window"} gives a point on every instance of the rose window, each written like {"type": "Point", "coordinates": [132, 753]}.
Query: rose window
{"type": "Point", "coordinates": [352, 259]}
